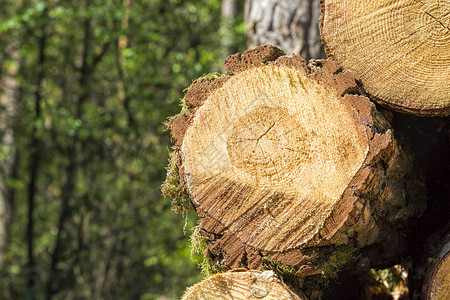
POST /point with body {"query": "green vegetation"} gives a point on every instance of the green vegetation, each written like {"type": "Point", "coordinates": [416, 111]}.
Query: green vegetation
{"type": "Point", "coordinates": [393, 278]}
{"type": "Point", "coordinates": [91, 83]}
{"type": "Point", "coordinates": [199, 255]}
{"type": "Point", "coordinates": [331, 263]}
{"type": "Point", "coordinates": [172, 189]}
{"type": "Point", "coordinates": [280, 269]}
{"type": "Point", "coordinates": [211, 76]}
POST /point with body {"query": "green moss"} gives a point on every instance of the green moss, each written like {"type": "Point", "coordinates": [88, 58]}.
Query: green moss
{"type": "Point", "coordinates": [331, 262]}
{"type": "Point", "coordinates": [211, 76]}
{"type": "Point", "coordinates": [199, 256]}
{"type": "Point", "coordinates": [282, 270]}
{"type": "Point", "coordinates": [198, 242]}
{"type": "Point", "coordinates": [172, 189]}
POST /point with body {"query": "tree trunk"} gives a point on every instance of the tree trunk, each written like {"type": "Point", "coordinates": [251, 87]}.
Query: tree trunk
{"type": "Point", "coordinates": [241, 285]}
{"type": "Point", "coordinates": [284, 161]}
{"type": "Point", "coordinates": [400, 50]}
{"type": "Point", "coordinates": [292, 25]}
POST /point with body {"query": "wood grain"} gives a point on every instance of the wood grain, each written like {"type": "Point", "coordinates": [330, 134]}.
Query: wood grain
{"type": "Point", "coordinates": [270, 153]}
{"type": "Point", "coordinates": [241, 285]}
{"type": "Point", "coordinates": [399, 48]}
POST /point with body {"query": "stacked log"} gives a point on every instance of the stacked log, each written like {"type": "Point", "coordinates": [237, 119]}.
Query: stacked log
{"type": "Point", "coordinates": [292, 168]}
{"type": "Point", "coordinates": [283, 161]}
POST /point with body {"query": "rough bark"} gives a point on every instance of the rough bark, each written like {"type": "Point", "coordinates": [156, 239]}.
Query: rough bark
{"type": "Point", "coordinates": [284, 162]}
{"type": "Point", "coordinates": [292, 25]}
{"type": "Point", "coordinates": [400, 50]}
{"type": "Point", "coordinates": [241, 284]}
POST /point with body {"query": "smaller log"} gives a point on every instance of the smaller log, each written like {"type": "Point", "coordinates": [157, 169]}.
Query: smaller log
{"type": "Point", "coordinates": [431, 279]}
{"type": "Point", "coordinates": [438, 284]}
{"type": "Point", "coordinates": [400, 49]}
{"type": "Point", "coordinates": [242, 284]}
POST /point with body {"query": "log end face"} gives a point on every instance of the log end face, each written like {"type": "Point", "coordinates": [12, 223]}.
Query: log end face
{"type": "Point", "coordinates": [275, 162]}
{"type": "Point", "coordinates": [241, 284]}
{"type": "Point", "coordinates": [439, 283]}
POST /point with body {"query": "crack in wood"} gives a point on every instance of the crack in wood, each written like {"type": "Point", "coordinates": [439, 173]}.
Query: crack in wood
{"type": "Point", "coordinates": [437, 20]}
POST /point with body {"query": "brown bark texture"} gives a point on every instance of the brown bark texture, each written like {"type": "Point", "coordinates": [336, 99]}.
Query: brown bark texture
{"type": "Point", "coordinates": [375, 203]}
{"type": "Point", "coordinates": [292, 25]}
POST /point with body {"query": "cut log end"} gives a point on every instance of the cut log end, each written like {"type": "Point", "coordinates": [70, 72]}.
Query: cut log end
{"type": "Point", "coordinates": [439, 285]}
{"type": "Point", "coordinates": [400, 50]}
{"type": "Point", "coordinates": [436, 282]}
{"type": "Point", "coordinates": [241, 284]}
{"type": "Point", "coordinates": [284, 143]}
{"type": "Point", "coordinates": [281, 158]}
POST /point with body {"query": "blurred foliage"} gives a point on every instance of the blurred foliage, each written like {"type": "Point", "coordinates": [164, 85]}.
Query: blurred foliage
{"type": "Point", "coordinates": [394, 279]}
{"type": "Point", "coordinates": [96, 80]}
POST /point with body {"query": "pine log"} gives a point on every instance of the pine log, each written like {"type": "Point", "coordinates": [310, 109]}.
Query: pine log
{"type": "Point", "coordinates": [280, 159]}
{"type": "Point", "coordinates": [399, 48]}
{"type": "Point", "coordinates": [241, 284]}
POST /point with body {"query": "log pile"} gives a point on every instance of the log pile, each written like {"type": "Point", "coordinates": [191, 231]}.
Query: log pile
{"type": "Point", "coordinates": [292, 168]}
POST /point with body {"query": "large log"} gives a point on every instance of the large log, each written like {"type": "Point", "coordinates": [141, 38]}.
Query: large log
{"type": "Point", "coordinates": [280, 159]}
{"type": "Point", "coordinates": [399, 48]}
{"type": "Point", "coordinates": [242, 285]}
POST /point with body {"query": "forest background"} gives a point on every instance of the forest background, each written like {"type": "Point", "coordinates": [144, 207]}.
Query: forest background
{"type": "Point", "coordinates": [85, 87]}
